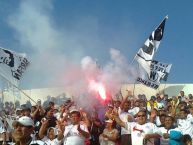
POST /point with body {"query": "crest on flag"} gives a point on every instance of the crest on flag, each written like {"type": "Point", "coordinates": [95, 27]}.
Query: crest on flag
{"type": "Point", "coordinates": [12, 64]}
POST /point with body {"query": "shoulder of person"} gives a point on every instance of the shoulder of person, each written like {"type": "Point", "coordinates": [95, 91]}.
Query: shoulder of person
{"type": "Point", "coordinates": [150, 124]}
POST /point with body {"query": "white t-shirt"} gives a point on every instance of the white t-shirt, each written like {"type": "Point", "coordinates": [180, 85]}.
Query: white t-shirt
{"type": "Point", "coordinates": [72, 135]}
{"type": "Point", "coordinates": [124, 117]}
{"type": "Point", "coordinates": [186, 125]}
{"type": "Point", "coordinates": [52, 142]}
{"type": "Point", "coordinates": [138, 132]}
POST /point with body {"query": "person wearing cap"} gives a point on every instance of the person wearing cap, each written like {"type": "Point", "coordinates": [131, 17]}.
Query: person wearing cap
{"type": "Point", "coordinates": [23, 128]}
{"type": "Point", "coordinates": [17, 113]}
{"type": "Point", "coordinates": [110, 134]}
{"type": "Point", "coordinates": [135, 108]}
{"type": "Point", "coordinates": [75, 133]}
{"type": "Point", "coordinates": [142, 132]}
{"type": "Point", "coordinates": [25, 110]}
{"type": "Point", "coordinates": [54, 136]}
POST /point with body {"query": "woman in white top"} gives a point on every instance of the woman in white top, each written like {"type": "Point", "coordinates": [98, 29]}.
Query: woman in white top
{"type": "Point", "coordinates": [54, 136]}
{"type": "Point", "coordinates": [109, 135]}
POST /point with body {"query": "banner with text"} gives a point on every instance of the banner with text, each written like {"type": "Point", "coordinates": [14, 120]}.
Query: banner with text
{"type": "Point", "coordinates": [12, 64]}
{"type": "Point", "coordinates": [158, 71]}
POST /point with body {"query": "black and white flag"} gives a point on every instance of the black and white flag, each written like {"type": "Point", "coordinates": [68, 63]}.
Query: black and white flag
{"type": "Point", "coordinates": [12, 64]}
{"type": "Point", "coordinates": [146, 53]}
{"type": "Point", "coordinates": [158, 71]}
{"type": "Point", "coordinates": [161, 67]}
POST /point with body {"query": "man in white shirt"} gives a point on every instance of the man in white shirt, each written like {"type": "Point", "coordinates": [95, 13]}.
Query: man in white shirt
{"type": "Point", "coordinates": [182, 96]}
{"type": "Point", "coordinates": [168, 125]}
{"type": "Point", "coordinates": [23, 129]}
{"type": "Point", "coordinates": [142, 132]}
{"type": "Point", "coordinates": [185, 124]}
{"type": "Point", "coordinates": [125, 116]}
{"type": "Point", "coordinates": [75, 133]}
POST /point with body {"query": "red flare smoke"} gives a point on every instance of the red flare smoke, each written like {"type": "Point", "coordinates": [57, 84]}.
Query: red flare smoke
{"type": "Point", "coordinates": [99, 88]}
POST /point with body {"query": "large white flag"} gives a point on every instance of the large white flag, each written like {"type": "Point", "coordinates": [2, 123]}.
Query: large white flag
{"type": "Point", "coordinates": [12, 64]}
{"type": "Point", "coordinates": [158, 71]}
{"type": "Point", "coordinates": [146, 53]}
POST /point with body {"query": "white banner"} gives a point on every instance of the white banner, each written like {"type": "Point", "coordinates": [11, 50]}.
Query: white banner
{"type": "Point", "coordinates": [158, 71]}
{"type": "Point", "coordinates": [12, 64]}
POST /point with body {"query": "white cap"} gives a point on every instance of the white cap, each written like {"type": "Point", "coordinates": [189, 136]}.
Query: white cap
{"type": "Point", "coordinates": [74, 110]}
{"type": "Point", "coordinates": [18, 109]}
{"type": "Point", "coordinates": [26, 121]}
{"type": "Point", "coordinates": [109, 121]}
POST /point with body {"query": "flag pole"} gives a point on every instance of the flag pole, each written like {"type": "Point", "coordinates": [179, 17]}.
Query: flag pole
{"type": "Point", "coordinates": [164, 88]}
{"type": "Point", "coordinates": [18, 89]}
{"type": "Point", "coordinates": [134, 89]}
{"type": "Point", "coordinates": [135, 83]}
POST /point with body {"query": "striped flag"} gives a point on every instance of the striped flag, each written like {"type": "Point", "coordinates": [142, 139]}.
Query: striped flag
{"type": "Point", "coordinates": [146, 53]}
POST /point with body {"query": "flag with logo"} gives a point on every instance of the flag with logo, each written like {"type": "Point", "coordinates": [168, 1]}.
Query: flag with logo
{"type": "Point", "coordinates": [146, 53]}
{"type": "Point", "coordinates": [158, 71]}
{"type": "Point", "coordinates": [12, 64]}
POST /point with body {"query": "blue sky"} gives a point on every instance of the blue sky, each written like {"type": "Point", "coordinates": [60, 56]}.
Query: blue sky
{"type": "Point", "coordinates": [56, 33]}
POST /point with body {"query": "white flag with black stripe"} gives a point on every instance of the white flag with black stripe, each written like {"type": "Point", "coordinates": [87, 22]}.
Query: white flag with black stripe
{"type": "Point", "coordinates": [12, 64]}
{"type": "Point", "coordinates": [146, 53]}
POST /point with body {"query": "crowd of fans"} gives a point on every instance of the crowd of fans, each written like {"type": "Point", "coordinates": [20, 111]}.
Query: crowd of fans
{"type": "Point", "coordinates": [161, 120]}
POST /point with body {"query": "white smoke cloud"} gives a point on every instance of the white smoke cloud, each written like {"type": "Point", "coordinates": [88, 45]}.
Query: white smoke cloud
{"type": "Point", "coordinates": [56, 53]}
{"type": "Point", "coordinates": [37, 35]}
{"type": "Point", "coordinates": [34, 27]}
{"type": "Point", "coordinates": [113, 74]}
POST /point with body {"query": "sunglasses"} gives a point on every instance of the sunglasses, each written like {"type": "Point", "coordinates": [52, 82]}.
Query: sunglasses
{"type": "Point", "coordinates": [141, 115]}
